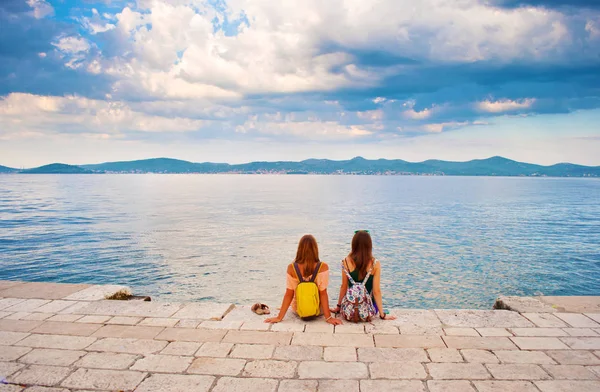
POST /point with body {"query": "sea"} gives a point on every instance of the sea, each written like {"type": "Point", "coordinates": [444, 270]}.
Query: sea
{"type": "Point", "coordinates": [443, 242]}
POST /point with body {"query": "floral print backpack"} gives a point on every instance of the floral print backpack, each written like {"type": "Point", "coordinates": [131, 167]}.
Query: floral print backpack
{"type": "Point", "coordinates": [357, 304]}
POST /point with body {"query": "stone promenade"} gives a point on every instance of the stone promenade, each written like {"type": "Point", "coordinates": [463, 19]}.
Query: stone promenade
{"type": "Point", "coordinates": [62, 337]}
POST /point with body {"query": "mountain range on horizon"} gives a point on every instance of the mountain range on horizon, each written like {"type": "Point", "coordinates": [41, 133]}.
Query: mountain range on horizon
{"type": "Point", "coordinates": [494, 166]}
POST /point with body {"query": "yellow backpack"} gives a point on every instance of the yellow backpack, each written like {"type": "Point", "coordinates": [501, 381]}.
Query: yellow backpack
{"type": "Point", "coordinates": [308, 301]}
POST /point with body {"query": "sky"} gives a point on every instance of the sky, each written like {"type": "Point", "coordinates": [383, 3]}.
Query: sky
{"type": "Point", "coordinates": [90, 81]}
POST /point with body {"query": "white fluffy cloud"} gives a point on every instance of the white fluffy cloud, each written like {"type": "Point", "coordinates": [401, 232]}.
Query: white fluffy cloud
{"type": "Point", "coordinates": [23, 115]}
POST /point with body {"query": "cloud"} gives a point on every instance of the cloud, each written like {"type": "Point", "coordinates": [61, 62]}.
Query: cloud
{"type": "Point", "coordinates": [41, 8]}
{"type": "Point", "coordinates": [505, 105]}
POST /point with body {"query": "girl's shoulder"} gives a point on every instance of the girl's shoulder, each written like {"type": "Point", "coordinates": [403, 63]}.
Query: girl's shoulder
{"type": "Point", "coordinates": [324, 267]}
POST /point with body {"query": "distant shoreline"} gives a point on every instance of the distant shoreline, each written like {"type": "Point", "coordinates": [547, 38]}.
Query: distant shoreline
{"type": "Point", "coordinates": [490, 167]}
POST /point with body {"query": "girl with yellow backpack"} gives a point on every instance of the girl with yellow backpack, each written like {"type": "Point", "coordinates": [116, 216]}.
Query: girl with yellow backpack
{"type": "Point", "coordinates": [306, 287]}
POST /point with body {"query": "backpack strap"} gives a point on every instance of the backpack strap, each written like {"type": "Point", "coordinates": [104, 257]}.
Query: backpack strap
{"type": "Point", "coordinates": [370, 271]}
{"type": "Point", "coordinates": [314, 275]}
{"type": "Point", "coordinates": [298, 274]}
{"type": "Point", "coordinates": [345, 269]}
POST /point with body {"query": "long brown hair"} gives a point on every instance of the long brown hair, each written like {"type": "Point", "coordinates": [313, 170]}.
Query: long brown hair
{"type": "Point", "coordinates": [307, 254]}
{"type": "Point", "coordinates": [362, 252]}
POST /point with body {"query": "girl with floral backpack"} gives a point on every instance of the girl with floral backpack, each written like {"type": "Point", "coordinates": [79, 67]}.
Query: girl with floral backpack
{"type": "Point", "coordinates": [360, 294]}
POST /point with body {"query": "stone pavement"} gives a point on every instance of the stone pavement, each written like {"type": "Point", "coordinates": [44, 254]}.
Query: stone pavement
{"type": "Point", "coordinates": [59, 338]}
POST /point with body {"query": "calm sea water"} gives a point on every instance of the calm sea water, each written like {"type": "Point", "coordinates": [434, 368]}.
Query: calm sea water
{"type": "Point", "coordinates": [444, 242]}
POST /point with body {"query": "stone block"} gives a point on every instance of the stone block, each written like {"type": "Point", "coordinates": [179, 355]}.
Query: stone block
{"type": "Point", "coordinates": [71, 329]}
{"type": "Point", "coordinates": [203, 311]}
{"type": "Point", "coordinates": [270, 369]}
{"type": "Point", "coordinates": [217, 366]}
{"type": "Point", "coordinates": [287, 327]}
{"type": "Point", "coordinates": [421, 318]}
{"type": "Point", "coordinates": [6, 284]}
{"type": "Point", "coordinates": [381, 329]}
{"type": "Point", "coordinates": [482, 319]}
{"type": "Point", "coordinates": [517, 372]}
{"type": "Point", "coordinates": [181, 348]}
{"type": "Point", "coordinates": [44, 389]}
{"type": "Point", "coordinates": [574, 357]}
{"type": "Point", "coordinates": [113, 380]}
{"type": "Point", "coordinates": [191, 335]}
{"type": "Point", "coordinates": [392, 386]}
{"type": "Point", "coordinates": [540, 343]}
{"type": "Point", "coordinates": [57, 342]}
{"type": "Point", "coordinates": [94, 319]}
{"type": "Point", "coordinates": [458, 371]}
{"type": "Point", "coordinates": [298, 353]}
{"type": "Point", "coordinates": [392, 355]}
{"type": "Point", "coordinates": [8, 338]}
{"type": "Point", "coordinates": [568, 386]}
{"type": "Point", "coordinates": [97, 292]}
{"type": "Point", "coordinates": [576, 320]}
{"type": "Point", "coordinates": [106, 360]}
{"type": "Point", "coordinates": [17, 316]}
{"type": "Point", "coordinates": [468, 342]}
{"type": "Point", "coordinates": [11, 388]}
{"type": "Point", "coordinates": [461, 332]}
{"type": "Point", "coordinates": [216, 324]}
{"type": "Point", "coordinates": [409, 341]}
{"type": "Point", "coordinates": [4, 314]}
{"type": "Point", "coordinates": [176, 383]}
{"type": "Point", "coordinates": [12, 353]}
{"type": "Point", "coordinates": [128, 346]}
{"type": "Point", "coordinates": [188, 323]}
{"type": "Point", "coordinates": [256, 326]}
{"type": "Point", "coordinates": [333, 370]}
{"type": "Point", "coordinates": [124, 320]}
{"type": "Point", "coordinates": [125, 308]}
{"type": "Point", "coordinates": [298, 386]}
{"type": "Point", "coordinates": [40, 375]}
{"type": "Point", "coordinates": [479, 356]}
{"type": "Point", "coordinates": [45, 291]}
{"type": "Point", "coordinates": [545, 320]}
{"type": "Point", "coordinates": [214, 349]}
{"type": "Point", "coordinates": [523, 304]}
{"type": "Point", "coordinates": [542, 332]}
{"type": "Point", "coordinates": [253, 351]}
{"type": "Point", "coordinates": [9, 368]}
{"type": "Point", "coordinates": [55, 306]}
{"type": "Point", "coordinates": [163, 364]}
{"type": "Point", "coordinates": [38, 316]}
{"type": "Point", "coordinates": [450, 386]}
{"type": "Point", "coordinates": [127, 331]}
{"type": "Point", "coordinates": [8, 302]}
{"type": "Point", "coordinates": [228, 384]}
{"type": "Point", "coordinates": [445, 355]}
{"type": "Point", "coordinates": [595, 370]}
{"type": "Point", "coordinates": [493, 332]}
{"type": "Point", "coordinates": [339, 386]}
{"type": "Point", "coordinates": [332, 340]}
{"type": "Point", "coordinates": [594, 316]}
{"type": "Point", "coordinates": [318, 327]}
{"type": "Point", "coordinates": [581, 332]}
{"type": "Point", "coordinates": [514, 356]}
{"type": "Point", "coordinates": [350, 328]}
{"type": "Point", "coordinates": [505, 386]}
{"type": "Point", "coordinates": [582, 343]}
{"type": "Point", "coordinates": [9, 325]}
{"type": "Point", "coordinates": [27, 306]}
{"type": "Point", "coordinates": [257, 337]}
{"type": "Point", "coordinates": [48, 356]}
{"type": "Point", "coordinates": [65, 318]}
{"type": "Point", "coordinates": [340, 354]}
{"type": "Point", "coordinates": [397, 370]}
{"type": "Point", "coordinates": [420, 330]}
{"type": "Point", "coordinates": [570, 372]}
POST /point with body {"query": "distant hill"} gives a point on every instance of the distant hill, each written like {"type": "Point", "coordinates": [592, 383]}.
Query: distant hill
{"type": "Point", "coordinates": [495, 166]}
{"type": "Point", "coordinates": [5, 169]}
{"type": "Point", "coordinates": [57, 168]}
